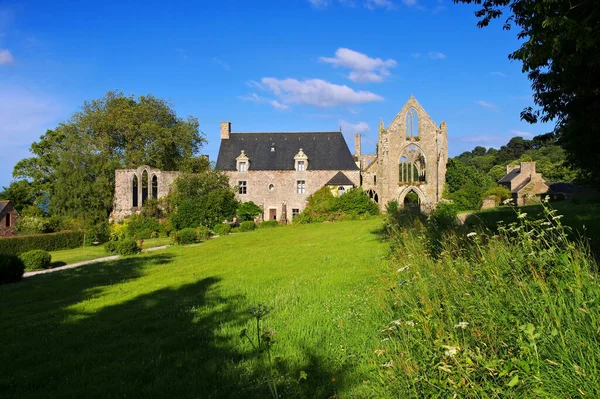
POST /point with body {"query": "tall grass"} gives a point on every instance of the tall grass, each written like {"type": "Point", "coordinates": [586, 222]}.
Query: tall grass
{"type": "Point", "coordinates": [515, 314]}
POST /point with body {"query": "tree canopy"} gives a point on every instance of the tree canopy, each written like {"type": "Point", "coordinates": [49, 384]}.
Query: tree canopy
{"type": "Point", "coordinates": [560, 52]}
{"type": "Point", "coordinates": [71, 170]}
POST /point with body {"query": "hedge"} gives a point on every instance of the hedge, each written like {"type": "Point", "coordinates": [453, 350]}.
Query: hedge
{"type": "Point", "coordinates": [247, 226]}
{"type": "Point", "coordinates": [36, 259]}
{"type": "Point", "coordinates": [127, 246]}
{"type": "Point", "coordinates": [222, 229]}
{"type": "Point", "coordinates": [269, 223]}
{"type": "Point", "coordinates": [48, 242]}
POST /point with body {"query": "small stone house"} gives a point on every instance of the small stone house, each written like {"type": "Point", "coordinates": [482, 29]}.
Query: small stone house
{"type": "Point", "coordinates": [524, 182]}
{"type": "Point", "coordinates": [8, 218]}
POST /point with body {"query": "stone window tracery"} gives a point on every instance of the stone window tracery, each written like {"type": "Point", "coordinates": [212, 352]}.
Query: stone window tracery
{"type": "Point", "coordinates": [134, 189]}
{"type": "Point", "coordinates": [412, 124]}
{"type": "Point", "coordinates": [412, 166]}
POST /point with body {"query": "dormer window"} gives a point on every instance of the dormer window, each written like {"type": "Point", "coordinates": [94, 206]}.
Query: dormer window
{"type": "Point", "coordinates": [272, 147]}
{"type": "Point", "coordinates": [242, 162]}
{"type": "Point", "coordinates": [301, 161]}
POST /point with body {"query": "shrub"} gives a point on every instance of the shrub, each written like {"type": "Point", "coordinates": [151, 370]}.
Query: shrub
{"type": "Point", "coordinates": [144, 234]}
{"type": "Point", "coordinates": [166, 227]}
{"type": "Point", "coordinates": [247, 226]}
{"type": "Point", "coordinates": [98, 233]}
{"type": "Point", "coordinates": [154, 234]}
{"type": "Point", "coordinates": [222, 229]}
{"type": "Point", "coordinates": [202, 233]}
{"type": "Point", "coordinates": [48, 242]}
{"type": "Point", "coordinates": [235, 230]}
{"type": "Point", "coordinates": [269, 223]}
{"type": "Point", "coordinates": [36, 259]}
{"type": "Point", "coordinates": [186, 236]}
{"type": "Point", "coordinates": [248, 211]}
{"type": "Point", "coordinates": [111, 247]}
{"type": "Point", "coordinates": [138, 224]}
{"type": "Point", "coordinates": [127, 246]}
{"type": "Point", "coordinates": [118, 231]}
{"type": "Point", "coordinates": [11, 269]}
{"type": "Point", "coordinates": [32, 225]}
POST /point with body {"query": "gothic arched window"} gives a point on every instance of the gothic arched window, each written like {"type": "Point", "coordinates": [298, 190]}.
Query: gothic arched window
{"type": "Point", "coordinates": [412, 124]}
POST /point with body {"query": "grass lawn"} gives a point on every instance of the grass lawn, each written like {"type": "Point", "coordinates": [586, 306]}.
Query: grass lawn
{"type": "Point", "coordinates": [68, 256]}
{"type": "Point", "coordinates": [167, 323]}
{"type": "Point", "coordinates": [583, 218]}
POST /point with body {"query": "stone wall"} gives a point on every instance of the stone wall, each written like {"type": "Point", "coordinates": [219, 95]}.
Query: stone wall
{"type": "Point", "coordinates": [284, 188]}
{"type": "Point", "coordinates": [123, 200]}
{"type": "Point", "coordinates": [8, 219]}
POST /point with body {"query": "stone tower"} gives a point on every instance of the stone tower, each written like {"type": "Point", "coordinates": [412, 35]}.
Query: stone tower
{"type": "Point", "coordinates": [411, 158]}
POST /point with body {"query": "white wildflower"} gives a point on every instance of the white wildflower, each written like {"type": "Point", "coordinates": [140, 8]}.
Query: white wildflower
{"type": "Point", "coordinates": [462, 324]}
{"type": "Point", "coordinates": [557, 217]}
{"type": "Point", "coordinates": [410, 323]}
{"type": "Point", "coordinates": [546, 198]}
{"type": "Point", "coordinates": [546, 224]}
{"type": "Point", "coordinates": [396, 322]}
{"type": "Point", "coordinates": [522, 215]}
{"type": "Point", "coordinates": [403, 268]}
{"type": "Point", "coordinates": [450, 351]}
{"type": "Point", "coordinates": [471, 234]}
{"type": "Point", "coordinates": [507, 201]}
{"type": "Point", "coordinates": [388, 364]}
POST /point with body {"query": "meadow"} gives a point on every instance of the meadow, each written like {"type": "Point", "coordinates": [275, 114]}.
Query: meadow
{"type": "Point", "coordinates": [168, 323]}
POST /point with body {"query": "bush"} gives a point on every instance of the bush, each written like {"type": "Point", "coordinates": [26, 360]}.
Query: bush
{"type": "Point", "coordinates": [143, 234]}
{"type": "Point", "coordinates": [48, 242]}
{"type": "Point", "coordinates": [139, 225]}
{"type": "Point", "coordinates": [323, 206]}
{"type": "Point", "coordinates": [247, 226]}
{"type": "Point", "coordinates": [36, 259]}
{"type": "Point", "coordinates": [235, 230]}
{"type": "Point", "coordinates": [186, 236]}
{"type": "Point", "coordinates": [127, 246]}
{"type": "Point", "coordinates": [11, 269]}
{"type": "Point", "coordinates": [202, 233]}
{"type": "Point", "coordinates": [248, 211]}
{"type": "Point", "coordinates": [269, 223]}
{"type": "Point", "coordinates": [118, 231]}
{"type": "Point", "coordinates": [111, 247]}
{"type": "Point", "coordinates": [32, 225]}
{"type": "Point", "coordinates": [98, 233]}
{"type": "Point", "coordinates": [166, 227]}
{"type": "Point", "coordinates": [154, 234]}
{"type": "Point", "coordinates": [222, 229]}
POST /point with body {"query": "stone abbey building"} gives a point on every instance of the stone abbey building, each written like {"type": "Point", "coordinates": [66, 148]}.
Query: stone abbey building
{"type": "Point", "coordinates": [278, 171]}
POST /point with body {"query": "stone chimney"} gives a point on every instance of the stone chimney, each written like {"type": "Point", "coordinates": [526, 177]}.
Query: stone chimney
{"type": "Point", "coordinates": [528, 168]}
{"type": "Point", "coordinates": [225, 130]}
{"type": "Point", "coordinates": [511, 168]}
{"type": "Point", "coordinates": [357, 144]}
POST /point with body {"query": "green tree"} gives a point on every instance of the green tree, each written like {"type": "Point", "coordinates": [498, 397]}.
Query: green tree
{"type": "Point", "coordinates": [73, 165]}
{"type": "Point", "coordinates": [19, 192]}
{"type": "Point", "coordinates": [560, 52]}
{"type": "Point", "coordinates": [466, 185]}
{"type": "Point", "coordinates": [248, 211]}
{"type": "Point", "coordinates": [202, 199]}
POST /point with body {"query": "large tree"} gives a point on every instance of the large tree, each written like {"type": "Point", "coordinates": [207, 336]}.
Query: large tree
{"type": "Point", "coordinates": [560, 52]}
{"type": "Point", "coordinates": [73, 165]}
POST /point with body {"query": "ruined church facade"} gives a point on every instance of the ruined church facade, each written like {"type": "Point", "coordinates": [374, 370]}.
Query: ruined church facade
{"type": "Point", "coordinates": [411, 156]}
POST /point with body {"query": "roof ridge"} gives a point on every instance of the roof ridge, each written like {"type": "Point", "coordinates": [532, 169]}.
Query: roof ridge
{"type": "Point", "coordinates": [299, 132]}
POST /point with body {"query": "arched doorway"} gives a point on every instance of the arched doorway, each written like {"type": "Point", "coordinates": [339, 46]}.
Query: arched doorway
{"type": "Point", "coordinates": [412, 201]}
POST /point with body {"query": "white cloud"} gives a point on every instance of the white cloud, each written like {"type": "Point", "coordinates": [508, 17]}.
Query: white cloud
{"type": "Point", "coordinates": [500, 74]}
{"type": "Point", "coordinates": [6, 57]}
{"type": "Point", "coordinates": [436, 55]}
{"type": "Point", "coordinates": [222, 63]}
{"type": "Point", "coordinates": [485, 104]}
{"type": "Point", "coordinates": [521, 134]}
{"type": "Point", "coordinates": [363, 68]}
{"type": "Point", "coordinates": [352, 128]}
{"type": "Point", "coordinates": [315, 92]}
{"type": "Point", "coordinates": [386, 4]}
{"type": "Point", "coordinates": [255, 98]}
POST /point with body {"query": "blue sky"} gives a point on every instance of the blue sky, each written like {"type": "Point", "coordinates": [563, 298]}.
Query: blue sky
{"type": "Point", "coordinates": [293, 65]}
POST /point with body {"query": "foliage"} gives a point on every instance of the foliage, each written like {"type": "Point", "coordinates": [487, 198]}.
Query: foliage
{"type": "Point", "coordinates": [20, 194]}
{"type": "Point", "coordinates": [127, 246]}
{"type": "Point", "coordinates": [153, 208]}
{"type": "Point", "coordinates": [248, 211]}
{"type": "Point", "coordinates": [111, 246]}
{"type": "Point", "coordinates": [166, 227]}
{"type": "Point", "coordinates": [466, 185]}
{"type": "Point", "coordinates": [36, 259]}
{"type": "Point", "coordinates": [499, 315]}
{"type": "Point", "coordinates": [247, 226]}
{"type": "Point", "coordinates": [202, 199]}
{"type": "Point", "coordinates": [118, 231]}
{"type": "Point", "coordinates": [323, 205]}
{"type": "Point", "coordinates": [559, 51]}
{"type": "Point", "coordinates": [392, 206]}
{"type": "Point", "coordinates": [11, 268]}
{"type": "Point", "coordinates": [222, 229]}
{"type": "Point", "coordinates": [31, 225]}
{"type": "Point", "coordinates": [48, 242]}
{"type": "Point", "coordinates": [186, 236]}
{"type": "Point", "coordinates": [499, 194]}
{"type": "Point", "coordinates": [141, 227]}
{"type": "Point", "coordinates": [269, 223]}
{"type": "Point", "coordinates": [71, 172]}
{"type": "Point", "coordinates": [202, 233]}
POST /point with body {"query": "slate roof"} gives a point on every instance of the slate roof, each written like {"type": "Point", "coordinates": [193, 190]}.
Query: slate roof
{"type": "Point", "coordinates": [340, 179]}
{"type": "Point", "coordinates": [325, 151]}
{"type": "Point", "coordinates": [3, 205]}
{"type": "Point", "coordinates": [511, 175]}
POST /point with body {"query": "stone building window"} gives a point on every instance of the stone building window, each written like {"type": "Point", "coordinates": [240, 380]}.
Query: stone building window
{"type": "Point", "coordinates": [341, 190]}
{"type": "Point", "coordinates": [295, 212]}
{"type": "Point", "coordinates": [134, 188]}
{"type": "Point", "coordinates": [242, 187]}
{"type": "Point", "coordinates": [8, 220]}
{"type": "Point", "coordinates": [412, 165]}
{"type": "Point", "coordinates": [374, 179]}
{"type": "Point", "coordinates": [242, 162]}
{"type": "Point", "coordinates": [300, 161]}
{"type": "Point", "coordinates": [154, 187]}
{"type": "Point", "coordinates": [144, 186]}
{"type": "Point", "coordinates": [271, 187]}
{"type": "Point", "coordinates": [412, 124]}
{"type": "Point", "coordinates": [301, 186]}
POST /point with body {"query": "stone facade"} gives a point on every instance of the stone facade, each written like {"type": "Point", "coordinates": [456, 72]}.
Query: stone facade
{"type": "Point", "coordinates": [524, 183]}
{"type": "Point", "coordinates": [134, 186]}
{"type": "Point", "coordinates": [411, 157]}
{"type": "Point", "coordinates": [8, 219]}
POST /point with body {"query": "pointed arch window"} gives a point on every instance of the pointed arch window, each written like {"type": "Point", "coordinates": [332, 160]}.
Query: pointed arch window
{"type": "Point", "coordinates": [154, 187]}
{"type": "Point", "coordinates": [144, 187]}
{"type": "Point", "coordinates": [412, 124]}
{"type": "Point", "coordinates": [412, 166]}
{"type": "Point", "coordinates": [134, 191]}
